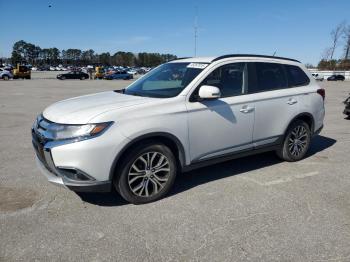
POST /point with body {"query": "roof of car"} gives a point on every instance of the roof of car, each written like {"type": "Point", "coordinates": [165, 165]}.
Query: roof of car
{"type": "Point", "coordinates": [211, 59]}
{"type": "Point", "coordinates": [208, 59]}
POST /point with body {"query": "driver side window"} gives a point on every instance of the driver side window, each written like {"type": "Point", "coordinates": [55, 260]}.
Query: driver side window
{"type": "Point", "coordinates": [230, 79]}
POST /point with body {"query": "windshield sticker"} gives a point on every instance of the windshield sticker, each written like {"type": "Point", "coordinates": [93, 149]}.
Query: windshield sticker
{"type": "Point", "coordinates": [197, 65]}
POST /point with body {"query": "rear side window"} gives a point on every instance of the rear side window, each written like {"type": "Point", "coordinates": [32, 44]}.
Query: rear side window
{"type": "Point", "coordinates": [296, 76]}
{"type": "Point", "coordinates": [270, 76]}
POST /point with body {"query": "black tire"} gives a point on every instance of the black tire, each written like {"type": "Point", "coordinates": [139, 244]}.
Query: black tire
{"type": "Point", "coordinates": [27, 77]}
{"type": "Point", "coordinates": [82, 78]}
{"type": "Point", "coordinates": [122, 179]}
{"type": "Point", "coordinates": [62, 78]}
{"type": "Point", "coordinates": [295, 148]}
{"type": "Point", "coordinates": [5, 77]}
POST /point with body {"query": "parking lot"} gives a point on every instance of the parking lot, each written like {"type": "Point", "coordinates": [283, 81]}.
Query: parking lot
{"type": "Point", "coordinates": [252, 209]}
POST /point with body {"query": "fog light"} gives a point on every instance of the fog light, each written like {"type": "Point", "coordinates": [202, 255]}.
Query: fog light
{"type": "Point", "coordinates": [75, 174]}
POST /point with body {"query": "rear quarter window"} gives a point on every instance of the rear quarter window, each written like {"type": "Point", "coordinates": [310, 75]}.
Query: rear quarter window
{"type": "Point", "coordinates": [296, 76]}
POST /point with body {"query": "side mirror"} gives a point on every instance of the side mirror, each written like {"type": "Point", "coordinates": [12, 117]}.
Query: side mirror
{"type": "Point", "coordinates": [209, 92]}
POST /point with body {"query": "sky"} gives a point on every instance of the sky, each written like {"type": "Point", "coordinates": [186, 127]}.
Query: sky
{"type": "Point", "coordinates": [292, 28]}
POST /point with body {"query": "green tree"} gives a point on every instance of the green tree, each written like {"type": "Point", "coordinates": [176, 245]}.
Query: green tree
{"type": "Point", "coordinates": [18, 52]}
{"type": "Point", "coordinates": [104, 58]}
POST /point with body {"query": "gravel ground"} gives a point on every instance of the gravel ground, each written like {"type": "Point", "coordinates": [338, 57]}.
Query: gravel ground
{"type": "Point", "coordinates": [252, 209]}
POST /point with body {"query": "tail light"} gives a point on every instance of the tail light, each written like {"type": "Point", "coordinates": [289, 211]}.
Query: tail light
{"type": "Point", "coordinates": [322, 93]}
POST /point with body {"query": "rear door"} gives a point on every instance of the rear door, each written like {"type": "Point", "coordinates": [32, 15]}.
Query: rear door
{"type": "Point", "coordinates": [275, 102]}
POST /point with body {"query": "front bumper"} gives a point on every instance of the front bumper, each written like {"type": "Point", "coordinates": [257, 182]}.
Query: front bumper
{"type": "Point", "coordinates": [56, 178]}
{"type": "Point", "coordinates": [63, 175]}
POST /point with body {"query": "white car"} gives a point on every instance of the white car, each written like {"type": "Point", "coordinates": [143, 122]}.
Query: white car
{"type": "Point", "coordinates": [132, 72]}
{"type": "Point", "coordinates": [318, 76]}
{"type": "Point", "coordinates": [182, 115]}
{"type": "Point", "coordinates": [5, 74]}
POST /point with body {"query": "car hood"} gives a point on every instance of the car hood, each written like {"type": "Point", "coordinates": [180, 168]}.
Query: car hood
{"type": "Point", "coordinates": [80, 110]}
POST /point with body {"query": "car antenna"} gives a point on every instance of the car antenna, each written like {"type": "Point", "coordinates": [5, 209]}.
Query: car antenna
{"type": "Point", "coordinates": [274, 53]}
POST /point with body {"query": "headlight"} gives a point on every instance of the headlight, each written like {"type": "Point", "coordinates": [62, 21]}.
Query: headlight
{"type": "Point", "coordinates": [60, 131]}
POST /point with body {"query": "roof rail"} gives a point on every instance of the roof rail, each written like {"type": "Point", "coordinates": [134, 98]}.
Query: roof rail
{"type": "Point", "coordinates": [180, 58]}
{"type": "Point", "coordinates": [250, 55]}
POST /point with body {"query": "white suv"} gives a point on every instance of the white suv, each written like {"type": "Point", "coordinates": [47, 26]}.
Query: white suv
{"type": "Point", "coordinates": [182, 115]}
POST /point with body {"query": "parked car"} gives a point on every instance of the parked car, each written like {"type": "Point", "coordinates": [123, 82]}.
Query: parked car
{"type": "Point", "coordinates": [118, 75]}
{"type": "Point", "coordinates": [132, 72]}
{"type": "Point", "coordinates": [347, 107]}
{"type": "Point", "coordinates": [73, 75]}
{"type": "Point", "coordinates": [5, 74]}
{"type": "Point", "coordinates": [336, 78]}
{"type": "Point", "coordinates": [44, 68]}
{"type": "Point", "coordinates": [318, 76]}
{"type": "Point", "coordinates": [182, 115]}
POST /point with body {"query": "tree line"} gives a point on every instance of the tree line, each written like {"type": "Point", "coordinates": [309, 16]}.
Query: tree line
{"type": "Point", "coordinates": [340, 37]}
{"type": "Point", "coordinates": [29, 53]}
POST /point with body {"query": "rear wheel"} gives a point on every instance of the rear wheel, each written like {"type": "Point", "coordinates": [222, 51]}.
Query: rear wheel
{"type": "Point", "coordinates": [82, 78]}
{"type": "Point", "coordinates": [5, 77]}
{"type": "Point", "coordinates": [147, 173]}
{"type": "Point", "coordinates": [296, 142]}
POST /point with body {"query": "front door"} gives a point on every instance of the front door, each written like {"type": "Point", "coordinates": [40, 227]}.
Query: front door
{"type": "Point", "coordinates": [225, 125]}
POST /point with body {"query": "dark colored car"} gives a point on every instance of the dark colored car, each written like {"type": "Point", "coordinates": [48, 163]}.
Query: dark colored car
{"type": "Point", "coordinates": [73, 75]}
{"type": "Point", "coordinates": [336, 78]}
{"type": "Point", "coordinates": [347, 107]}
{"type": "Point", "coordinates": [118, 75]}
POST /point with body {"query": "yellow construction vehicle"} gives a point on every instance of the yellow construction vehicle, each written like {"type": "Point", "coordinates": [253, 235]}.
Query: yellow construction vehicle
{"type": "Point", "coordinates": [99, 72]}
{"type": "Point", "coordinates": [21, 71]}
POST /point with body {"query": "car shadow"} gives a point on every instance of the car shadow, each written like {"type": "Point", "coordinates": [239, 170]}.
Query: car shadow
{"type": "Point", "coordinates": [103, 199]}
{"type": "Point", "coordinates": [207, 174]}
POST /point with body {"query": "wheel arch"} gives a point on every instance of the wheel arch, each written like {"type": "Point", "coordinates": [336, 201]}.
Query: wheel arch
{"type": "Point", "coordinates": [168, 139]}
{"type": "Point", "coordinates": [307, 118]}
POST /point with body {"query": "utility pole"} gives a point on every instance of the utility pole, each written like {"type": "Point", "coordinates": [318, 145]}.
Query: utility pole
{"type": "Point", "coordinates": [195, 31]}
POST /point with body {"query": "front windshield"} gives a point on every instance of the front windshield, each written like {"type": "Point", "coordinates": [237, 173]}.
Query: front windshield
{"type": "Point", "coordinates": [167, 80]}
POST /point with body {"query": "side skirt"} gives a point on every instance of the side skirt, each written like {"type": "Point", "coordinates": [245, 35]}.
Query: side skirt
{"type": "Point", "coordinates": [231, 156]}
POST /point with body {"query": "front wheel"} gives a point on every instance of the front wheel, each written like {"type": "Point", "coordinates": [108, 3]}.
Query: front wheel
{"type": "Point", "coordinates": [82, 78]}
{"type": "Point", "coordinates": [296, 142]}
{"type": "Point", "coordinates": [5, 77]}
{"type": "Point", "coordinates": [146, 173]}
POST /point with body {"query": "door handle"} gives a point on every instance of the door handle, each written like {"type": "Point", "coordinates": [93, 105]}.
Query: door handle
{"type": "Point", "coordinates": [246, 109]}
{"type": "Point", "coordinates": [292, 101]}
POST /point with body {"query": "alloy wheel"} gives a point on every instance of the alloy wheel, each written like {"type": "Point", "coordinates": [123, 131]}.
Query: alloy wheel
{"type": "Point", "coordinates": [148, 174]}
{"type": "Point", "coordinates": [297, 142]}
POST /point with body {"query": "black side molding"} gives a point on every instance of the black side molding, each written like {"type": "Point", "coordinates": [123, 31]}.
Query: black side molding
{"type": "Point", "coordinates": [231, 156]}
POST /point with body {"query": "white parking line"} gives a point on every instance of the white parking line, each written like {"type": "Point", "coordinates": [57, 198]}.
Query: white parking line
{"type": "Point", "coordinates": [281, 180]}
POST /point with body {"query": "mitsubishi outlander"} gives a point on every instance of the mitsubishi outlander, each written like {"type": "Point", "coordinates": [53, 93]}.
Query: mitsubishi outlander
{"type": "Point", "coordinates": [182, 115]}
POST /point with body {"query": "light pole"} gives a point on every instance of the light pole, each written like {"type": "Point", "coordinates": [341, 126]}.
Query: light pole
{"type": "Point", "coordinates": [195, 31]}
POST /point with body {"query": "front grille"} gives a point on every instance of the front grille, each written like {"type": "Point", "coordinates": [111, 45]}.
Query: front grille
{"type": "Point", "coordinates": [39, 140]}
{"type": "Point", "coordinates": [39, 149]}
